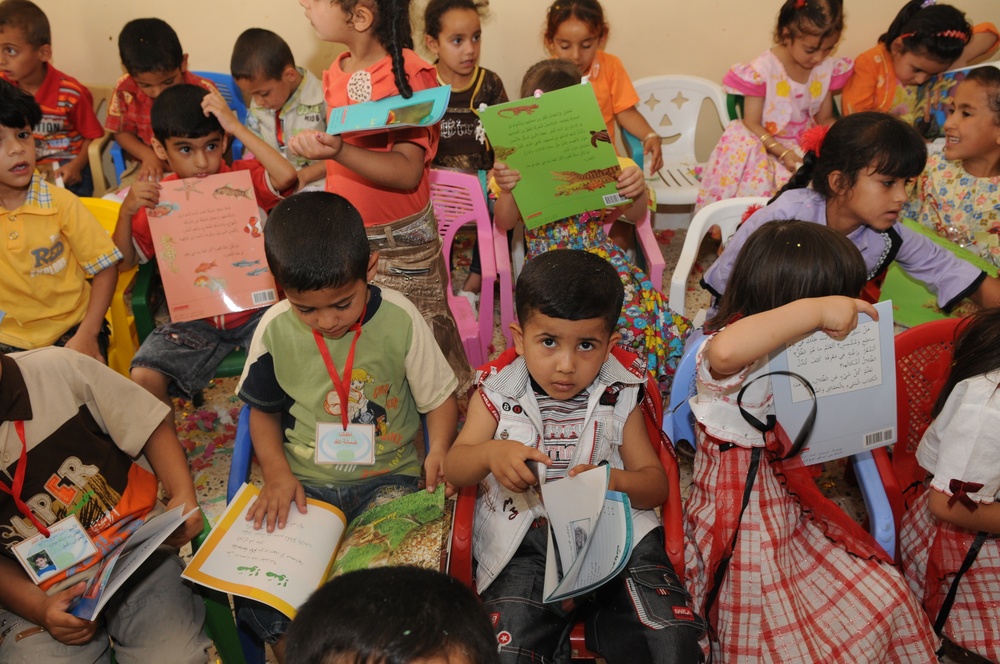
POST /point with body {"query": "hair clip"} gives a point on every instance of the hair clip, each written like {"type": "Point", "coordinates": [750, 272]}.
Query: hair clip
{"type": "Point", "coordinates": [927, 3]}
{"type": "Point", "coordinates": [482, 107]}
{"type": "Point", "coordinates": [538, 93]}
{"type": "Point", "coordinates": [906, 35]}
{"type": "Point", "coordinates": [952, 34]}
{"type": "Point", "coordinates": [800, 4]}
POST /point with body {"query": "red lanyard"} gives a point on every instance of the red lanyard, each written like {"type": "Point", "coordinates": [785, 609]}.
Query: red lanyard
{"type": "Point", "coordinates": [14, 491]}
{"type": "Point", "coordinates": [278, 133]}
{"type": "Point", "coordinates": [342, 386]}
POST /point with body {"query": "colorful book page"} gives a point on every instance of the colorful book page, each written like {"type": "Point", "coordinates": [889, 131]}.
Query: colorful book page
{"type": "Point", "coordinates": [210, 248]}
{"type": "Point", "coordinates": [560, 145]}
{"type": "Point", "coordinates": [933, 101]}
{"type": "Point", "coordinates": [422, 109]}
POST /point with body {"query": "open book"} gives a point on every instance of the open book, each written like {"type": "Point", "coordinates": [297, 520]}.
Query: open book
{"type": "Point", "coordinates": [284, 567]}
{"type": "Point", "coordinates": [590, 532]}
{"type": "Point", "coordinates": [423, 108]}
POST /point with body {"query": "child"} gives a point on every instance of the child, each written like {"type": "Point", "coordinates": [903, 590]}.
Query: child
{"type": "Point", "coordinates": [647, 325]}
{"type": "Point", "coordinates": [284, 99]}
{"type": "Point", "coordinates": [189, 125]}
{"type": "Point", "coordinates": [939, 530]}
{"type": "Point", "coordinates": [82, 425]}
{"type": "Point", "coordinates": [787, 90]}
{"type": "Point", "coordinates": [154, 61]}
{"type": "Point", "coordinates": [384, 173]}
{"type": "Point", "coordinates": [318, 252]}
{"type": "Point", "coordinates": [393, 615]}
{"type": "Point", "coordinates": [958, 194]}
{"type": "Point", "coordinates": [452, 33]}
{"type": "Point", "coordinates": [924, 39]}
{"type": "Point", "coordinates": [68, 123]}
{"type": "Point", "coordinates": [569, 400]}
{"type": "Point", "coordinates": [53, 244]}
{"type": "Point", "coordinates": [859, 173]}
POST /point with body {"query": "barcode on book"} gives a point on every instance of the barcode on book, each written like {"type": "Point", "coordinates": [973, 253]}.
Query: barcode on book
{"type": "Point", "coordinates": [264, 296]}
{"type": "Point", "coordinates": [873, 439]}
{"type": "Point", "coordinates": [614, 199]}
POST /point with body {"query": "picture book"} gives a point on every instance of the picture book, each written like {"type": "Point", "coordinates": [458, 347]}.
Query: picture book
{"type": "Point", "coordinates": [282, 568]}
{"type": "Point", "coordinates": [207, 233]}
{"type": "Point", "coordinates": [933, 101]}
{"type": "Point", "coordinates": [422, 109]}
{"type": "Point", "coordinates": [561, 147]}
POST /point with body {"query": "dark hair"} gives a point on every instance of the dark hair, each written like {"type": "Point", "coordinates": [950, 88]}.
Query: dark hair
{"type": "Point", "coordinates": [18, 109]}
{"type": "Point", "coordinates": [260, 52]}
{"type": "Point", "coordinates": [784, 261]}
{"type": "Point", "coordinates": [177, 113]}
{"type": "Point", "coordinates": [315, 240]}
{"type": "Point", "coordinates": [29, 19]}
{"type": "Point", "coordinates": [436, 9]}
{"type": "Point", "coordinates": [572, 285]}
{"type": "Point", "coordinates": [391, 29]}
{"type": "Point", "coordinates": [149, 45]}
{"type": "Point", "coordinates": [977, 352]}
{"type": "Point", "coordinates": [588, 12]}
{"type": "Point", "coordinates": [390, 615]}
{"type": "Point", "coordinates": [548, 75]}
{"type": "Point", "coordinates": [938, 31]}
{"type": "Point", "coordinates": [820, 18]}
{"type": "Point", "coordinates": [988, 76]}
{"type": "Point", "coordinates": [859, 142]}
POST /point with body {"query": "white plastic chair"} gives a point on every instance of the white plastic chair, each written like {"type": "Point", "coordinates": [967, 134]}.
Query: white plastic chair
{"type": "Point", "coordinates": [724, 214]}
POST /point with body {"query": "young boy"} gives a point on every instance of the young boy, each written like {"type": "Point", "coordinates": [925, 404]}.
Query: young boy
{"type": "Point", "coordinates": [52, 244]}
{"type": "Point", "coordinates": [284, 99]}
{"type": "Point", "coordinates": [568, 398]}
{"type": "Point", "coordinates": [68, 123]}
{"type": "Point", "coordinates": [151, 54]}
{"type": "Point", "coordinates": [73, 427]}
{"type": "Point", "coordinates": [190, 126]}
{"type": "Point", "coordinates": [297, 378]}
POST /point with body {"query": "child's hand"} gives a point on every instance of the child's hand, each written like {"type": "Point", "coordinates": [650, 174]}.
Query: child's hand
{"type": "Point", "coordinates": [151, 169]}
{"type": "Point", "coordinates": [144, 193]}
{"type": "Point", "coordinates": [275, 499]}
{"type": "Point", "coordinates": [506, 178]}
{"type": "Point", "coordinates": [86, 344]}
{"type": "Point", "coordinates": [631, 183]}
{"type": "Point", "coordinates": [791, 161]}
{"type": "Point", "coordinates": [191, 528]}
{"type": "Point", "coordinates": [840, 315]}
{"type": "Point", "coordinates": [214, 104]}
{"type": "Point", "coordinates": [507, 463]}
{"type": "Point", "coordinates": [69, 172]}
{"type": "Point", "coordinates": [434, 468]}
{"type": "Point", "coordinates": [652, 149]}
{"type": "Point", "coordinates": [63, 626]}
{"type": "Point", "coordinates": [316, 145]}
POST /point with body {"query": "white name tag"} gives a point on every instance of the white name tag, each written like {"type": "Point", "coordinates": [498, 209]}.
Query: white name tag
{"type": "Point", "coordinates": [67, 544]}
{"type": "Point", "coordinates": [355, 446]}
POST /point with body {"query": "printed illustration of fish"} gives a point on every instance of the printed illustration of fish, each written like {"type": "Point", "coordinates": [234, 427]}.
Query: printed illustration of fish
{"type": "Point", "coordinates": [253, 227]}
{"type": "Point", "coordinates": [169, 252]}
{"type": "Point", "coordinates": [254, 273]}
{"type": "Point", "coordinates": [162, 210]}
{"type": "Point", "coordinates": [232, 192]}
{"type": "Point", "coordinates": [214, 284]}
{"type": "Point", "coordinates": [246, 263]}
{"type": "Point", "coordinates": [205, 267]}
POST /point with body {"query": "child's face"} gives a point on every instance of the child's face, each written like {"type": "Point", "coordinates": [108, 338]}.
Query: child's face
{"type": "Point", "coordinates": [19, 60]}
{"type": "Point", "coordinates": [193, 157]}
{"type": "Point", "coordinates": [575, 41]}
{"type": "Point", "coordinates": [914, 67]}
{"type": "Point", "coordinates": [270, 93]}
{"type": "Point", "coordinates": [330, 311]}
{"type": "Point", "coordinates": [457, 47]}
{"type": "Point", "coordinates": [563, 356]}
{"type": "Point", "coordinates": [807, 50]}
{"type": "Point", "coordinates": [971, 131]}
{"type": "Point", "coordinates": [874, 201]}
{"type": "Point", "coordinates": [153, 83]}
{"type": "Point", "coordinates": [17, 158]}
{"type": "Point", "coordinates": [328, 19]}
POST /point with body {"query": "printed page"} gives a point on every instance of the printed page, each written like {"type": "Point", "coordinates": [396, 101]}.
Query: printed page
{"type": "Point", "coordinates": [424, 108]}
{"type": "Point", "coordinates": [573, 506]}
{"type": "Point", "coordinates": [281, 568]}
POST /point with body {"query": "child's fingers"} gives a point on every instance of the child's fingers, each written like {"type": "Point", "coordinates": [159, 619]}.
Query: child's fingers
{"type": "Point", "coordinates": [866, 308]}
{"type": "Point", "coordinates": [300, 501]}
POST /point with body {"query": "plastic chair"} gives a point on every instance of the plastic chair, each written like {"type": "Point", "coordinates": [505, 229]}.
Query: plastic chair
{"type": "Point", "coordinates": [100, 162]}
{"type": "Point", "coordinates": [671, 105]}
{"type": "Point", "coordinates": [458, 200]}
{"type": "Point", "coordinates": [727, 215]}
{"type": "Point", "coordinates": [124, 341]}
{"type": "Point", "coordinates": [220, 625]}
{"type": "Point", "coordinates": [503, 253]}
{"type": "Point", "coordinates": [652, 257]}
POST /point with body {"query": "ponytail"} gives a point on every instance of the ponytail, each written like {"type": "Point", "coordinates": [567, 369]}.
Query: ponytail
{"type": "Point", "coordinates": [801, 178]}
{"type": "Point", "coordinates": [392, 30]}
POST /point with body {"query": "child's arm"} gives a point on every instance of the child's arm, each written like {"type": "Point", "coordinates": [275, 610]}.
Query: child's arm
{"type": "Point", "coordinates": [505, 212]}
{"type": "Point", "coordinates": [402, 167]}
{"type": "Point", "coordinates": [142, 194]}
{"type": "Point", "coordinates": [19, 595]}
{"type": "Point", "coordinates": [280, 486]}
{"type": "Point", "coordinates": [987, 295]}
{"type": "Point", "coordinates": [985, 517]}
{"type": "Point", "coordinates": [753, 118]}
{"type": "Point", "coordinates": [70, 171]}
{"type": "Point", "coordinates": [825, 115]}
{"type": "Point", "coordinates": [984, 39]}
{"type": "Point", "coordinates": [311, 173]}
{"type": "Point", "coordinates": [151, 166]}
{"type": "Point", "coordinates": [632, 121]}
{"type": "Point", "coordinates": [279, 170]}
{"type": "Point", "coordinates": [169, 463]}
{"type": "Point", "coordinates": [753, 337]}
{"type": "Point", "coordinates": [442, 423]}
{"type": "Point", "coordinates": [477, 454]}
{"type": "Point", "coordinates": [643, 478]}
{"type": "Point", "coordinates": [102, 289]}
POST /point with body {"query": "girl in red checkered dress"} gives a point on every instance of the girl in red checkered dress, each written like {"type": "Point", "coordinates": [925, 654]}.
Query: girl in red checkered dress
{"type": "Point", "coordinates": [957, 521]}
{"type": "Point", "coordinates": [780, 572]}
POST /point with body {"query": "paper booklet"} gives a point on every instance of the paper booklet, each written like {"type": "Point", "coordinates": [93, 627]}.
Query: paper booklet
{"type": "Point", "coordinates": [590, 532]}
{"type": "Point", "coordinates": [560, 144]}
{"type": "Point", "coordinates": [855, 384]}
{"type": "Point", "coordinates": [124, 560]}
{"type": "Point", "coordinates": [284, 567]}
{"type": "Point", "coordinates": [207, 233]}
{"type": "Point", "coordinates": [423, 108]}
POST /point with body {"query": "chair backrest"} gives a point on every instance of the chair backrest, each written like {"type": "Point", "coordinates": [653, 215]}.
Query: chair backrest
{"type": "Point", "coordinates": [101, 95]}
{"type": "Point", "coordinates": [678, 422]}
{"type": "Point", "coordinates": [671, 104]}
{"type": "Point", "coordinates": [231, 92]}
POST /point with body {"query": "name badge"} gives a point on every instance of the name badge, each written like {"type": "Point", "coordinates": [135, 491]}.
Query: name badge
{"type": "Point", "coordinates": [353, 447]}
{"type": "Point", "coordinates": [67, 544]}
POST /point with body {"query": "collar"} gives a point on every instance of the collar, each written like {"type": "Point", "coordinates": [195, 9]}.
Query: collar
{"type": "Point", "coordinates": [15, 403]}
{"type": "Point", "coordinates": [472, 81]}
{"type": "Point", "coordinates": [515, 380]}
{"type": "Point", "coordinates": [39, 194]}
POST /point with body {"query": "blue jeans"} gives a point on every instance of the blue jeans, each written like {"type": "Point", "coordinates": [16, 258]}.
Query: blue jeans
{"type": "Point", "coordinates": [639, 617]}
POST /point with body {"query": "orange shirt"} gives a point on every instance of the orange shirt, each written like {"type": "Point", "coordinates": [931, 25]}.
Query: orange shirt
{"type": "Point", "coordinates": [614, 89]}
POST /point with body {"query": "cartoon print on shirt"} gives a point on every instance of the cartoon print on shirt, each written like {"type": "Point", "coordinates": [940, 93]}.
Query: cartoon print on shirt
{"type": "Point", "coordinates": [360, 409]}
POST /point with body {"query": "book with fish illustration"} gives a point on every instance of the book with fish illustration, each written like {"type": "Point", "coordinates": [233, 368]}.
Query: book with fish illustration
{"type": "Point", "coordinates": [560, 145]}
{"type": "Point", "coordinates": [422, 109]}
{"type": "Point", "coordinates": [282, 568]}
{"type": "Point", "coordinates": [210, 247]}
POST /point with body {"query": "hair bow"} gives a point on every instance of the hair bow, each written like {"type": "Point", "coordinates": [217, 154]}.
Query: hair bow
{"type": "Point", "coordinates": [749, 211]}
{"type": "Point", "coordinates": [812, 138]}
{"type": "Point", "coordinates": [800, 4]}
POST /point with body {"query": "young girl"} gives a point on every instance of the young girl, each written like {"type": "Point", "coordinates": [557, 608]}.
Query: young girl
{"type": "Point", "coordinates": [647, 325]}
{"type": "Point", "coordinates": [958, 195]}
{"type": "Point", "coordinates": [779, 571]}
{"type": "Point", "coordinates": [786, 90]}
{"type": "Point", "coordinates": [452, 33]}
{"type": "Point", "coordinates": [384, 173]}
{"type": "Point", "coordinates": [858, 172]}
{"type": "Point", "coordinates": [961, 453]}
{"type": "Point", "coordinates": [924, 39]}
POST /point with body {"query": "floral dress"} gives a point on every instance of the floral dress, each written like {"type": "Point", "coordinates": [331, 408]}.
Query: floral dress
{"type": "Point", "coordinates": [739, 165]}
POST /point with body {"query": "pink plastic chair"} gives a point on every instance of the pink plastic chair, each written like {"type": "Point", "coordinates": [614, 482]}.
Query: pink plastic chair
{"type": "Point", "coordinates": [458, 200]}
{"type": "Point", "coordinates": [646, 242]}
{"type": "Point", "coordinates": [506, 276]}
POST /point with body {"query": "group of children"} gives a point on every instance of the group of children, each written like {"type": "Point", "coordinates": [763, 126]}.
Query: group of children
{"type": "Point", "coordinates": [364, 339]}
